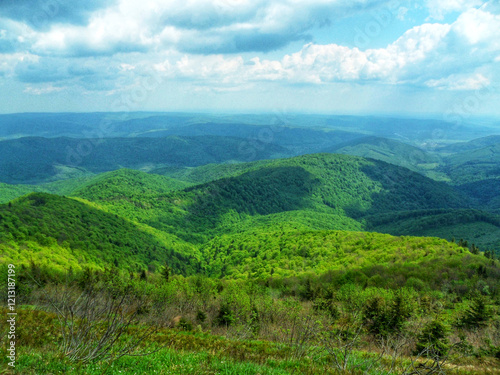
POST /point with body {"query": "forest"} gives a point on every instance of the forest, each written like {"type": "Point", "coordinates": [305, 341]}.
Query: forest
{"type": "Point", "coordinates": [182, 244]}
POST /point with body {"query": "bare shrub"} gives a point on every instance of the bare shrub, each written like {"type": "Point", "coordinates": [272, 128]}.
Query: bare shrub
{"type": "Point", "coordinates": [97, 323]}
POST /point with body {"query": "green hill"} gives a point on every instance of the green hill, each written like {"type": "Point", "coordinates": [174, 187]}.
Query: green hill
{"type": "Point", "coordinates": [485, 192]}
{"type": "Point", "coordinates": [476, 227]}
{"type": "Point", "coordinates": [62, 232]}
{"type": "Point", "coordinates": [393, 152]}
{"type": "Point", "coordinates": [474, 165]}
{"type": "Point", "coordinates": [321, 191]}
{"type": "Point", "coordinates": [9, 192]}
{"type": "Point", "coordinates": [475, 144]}
{"type": "Point", "coordinates": [291, 253]}
{"type": "Point", "coordinates": [128, 193]}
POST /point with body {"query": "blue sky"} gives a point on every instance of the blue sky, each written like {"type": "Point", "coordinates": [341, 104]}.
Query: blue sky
{"type": "Point", "coordinates": [439, 57]}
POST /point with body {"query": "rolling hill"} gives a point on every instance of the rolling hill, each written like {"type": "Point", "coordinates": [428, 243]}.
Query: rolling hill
{"type": "Point", "coordinates": [393, 152]}
{"type": "Point", "coordinates": [320, 191]}
{"type": "Point", "coordinates": [67, 157]}
{"type": "Point", "coordinates": [265, 254]}
{"type": "Point", "coordinates": [475, 165]}
{"type": "Point", "coordinates": [480, 228]}
{"type": "Point", "coordinates": [59, 233]}
{"type": "Point", "coordinates": [485, 192]}
{"type": "Point", "coordinates": [475, 144]}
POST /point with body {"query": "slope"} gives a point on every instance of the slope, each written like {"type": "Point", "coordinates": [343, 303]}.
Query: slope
{"type": "Point", "coordinates": [63, 232]}
{"type": "Point", "coordinates": [68, 157]}
{"type": "Point", "coordinates": [480, 228]}
{"type": "Point", "coordinates": [475, 165]}
{"type": "Point", "coordinates": [475, 144]}
{"type": "Point", "coordinates": [297, 140]}
{"type": "Point", "coordinates": [393, 152]}
{"type": "Point", "coordinates": [263, 254]}
{"type": "Point", "coordinates": [9, 192]}
{"type": "Point", "coordinates": [321, 191]}
{"type": "Point", "coordinates": [485, 192]}
{"type": "Point", "coordinates": [127, 192]}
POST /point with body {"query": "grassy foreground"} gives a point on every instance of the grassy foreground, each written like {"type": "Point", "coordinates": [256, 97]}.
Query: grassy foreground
{"type": "Point", "coordinates": [173, 351]}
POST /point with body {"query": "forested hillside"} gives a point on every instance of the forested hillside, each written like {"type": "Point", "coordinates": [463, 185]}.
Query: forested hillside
{"type": "Point", "coordinates": [60, 233]}
{"type": "Point", "coordinates": [333, 191]}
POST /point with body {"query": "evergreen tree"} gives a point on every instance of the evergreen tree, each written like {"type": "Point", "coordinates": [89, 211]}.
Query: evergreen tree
{"type": "Point", "coordinates": [166, 272]}
{"type": "Point", "coordinates": [433, 342]}
{"type": "Point", "coordinates": [478, 313]}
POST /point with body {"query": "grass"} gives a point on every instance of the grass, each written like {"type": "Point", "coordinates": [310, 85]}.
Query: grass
{"type": "Point", "coordinates": [166, 361]}
{"type": "Point", "coordinates": [185, 353]}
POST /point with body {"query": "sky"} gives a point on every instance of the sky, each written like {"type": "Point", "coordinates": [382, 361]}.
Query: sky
{"type": "Point", "coordinates": [426, 57]}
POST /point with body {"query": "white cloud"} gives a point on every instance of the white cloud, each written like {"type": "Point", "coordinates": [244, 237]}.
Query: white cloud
{"type": "Point", "coordinates": [48, 89]}
{"type": "Point", "coordinates": [195, 26]}
{"type": "Point", "coordinates": [477, 26]}
{"type": "Point", "coordinates": [123, 42]}
{"type": "Point", "coordinates": [439, 8]}
{"type": "Point", "coordinates": [460, 82]}
{"type": "Point", "coordinates": [328, 63]}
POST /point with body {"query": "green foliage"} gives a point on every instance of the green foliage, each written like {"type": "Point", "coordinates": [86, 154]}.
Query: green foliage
{"type": "Point", "coordinates": [478, 314]}
{"type": "Point", "coordinates": [314, 191]}
{"type": "Point", "coordinates": [225, 316]}
{"type": "Point", "coordinates": [255, 254]}
{"type": "Point", "coordinates": [433, 341]}
{"type": "Point", "coordinates": [475, 165]}
{"type": "Point", "coordinates": [63, 232]}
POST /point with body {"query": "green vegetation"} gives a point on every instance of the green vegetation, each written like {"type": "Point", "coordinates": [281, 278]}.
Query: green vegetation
{"type": "Point", "coordinates": [393, 152]}
{"type": "Point", "coordinates": [284, 254]}
{"type": "Point", "coordinates": [225, 263]}
{"type": "Point", "coordinates": [60, 233]}
{"type": "Point", "coordinates": [474, 165]}
{"type": "Point", "coordinates": [322, 191]}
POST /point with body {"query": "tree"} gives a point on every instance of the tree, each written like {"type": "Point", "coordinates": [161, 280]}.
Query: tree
{"type": "Point", "coordinates": [166, 272]}
{"type": "Point", "coordinates": [433, 342]}
{"type": "Point", "coordinates": [478, 313]}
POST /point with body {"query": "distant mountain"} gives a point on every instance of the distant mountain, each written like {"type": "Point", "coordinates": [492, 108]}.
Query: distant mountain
{"type": "Point", "coordinates": [35, 160]}
{"type": "Point", "coordinates": [429, 133]}
{"type": "Point", "coordinates": [391, 151]}
{"type": "Point", "coordinates": [295, 139]}
{"type": "Point", "coordinates": [62, 232]}
{"type": "Point", "coordinates": [474, 165]}
{"type": "Point", "coordinates": [475, 144]}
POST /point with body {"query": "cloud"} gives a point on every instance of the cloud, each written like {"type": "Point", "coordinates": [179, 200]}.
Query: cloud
{"type": "Point", "coordinates": [195, 26]}
{"type": "Point", "coordinates": [334, 63]}
{"type": "Point", "coordinates": [89, 74]}
{"type": "Point", "coordinates": [439, 8]}
{"type": "Point", "coordinates": [429, 55]}
{"type": "Point", "coordinates": [460, 82]}
{"type": "Point", "coordinates": [47, 89]}
{"type": "Point", "coordinates": [207, 43]}
{"type": "Point", "coordinates": [479, 28]}
{"type": "Point", "coordinates": [42, 14]}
